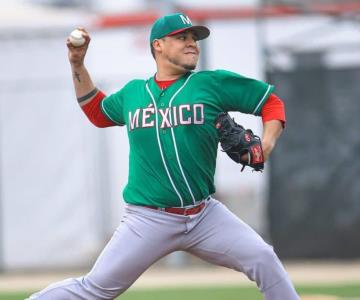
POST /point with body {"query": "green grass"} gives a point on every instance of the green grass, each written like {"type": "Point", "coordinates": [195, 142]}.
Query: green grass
{"type": "Point", "coordinates": [219, 293]}
{"type": "Point", "coordinates": [347, 291]}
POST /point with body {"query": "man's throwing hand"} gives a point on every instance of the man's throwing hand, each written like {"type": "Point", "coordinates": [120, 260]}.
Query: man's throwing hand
{"type": "Point", "coordinates": [77, 54]}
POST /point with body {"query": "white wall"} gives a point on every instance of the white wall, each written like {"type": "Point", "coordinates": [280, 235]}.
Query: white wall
{"type": "Point", "coordinates": [46, 155]}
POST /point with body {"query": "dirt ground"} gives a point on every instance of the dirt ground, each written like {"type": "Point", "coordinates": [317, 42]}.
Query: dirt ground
{"type": "Point", "coordinates": [319, 297]}
{"type": "Point", "coordinates": [308, 272]}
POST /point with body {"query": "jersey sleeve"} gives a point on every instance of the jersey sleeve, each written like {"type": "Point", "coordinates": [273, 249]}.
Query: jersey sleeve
{"type": "Point", "coordinates": [273, 109]}
{"type": "Point", "coordinates": [94, 113]}
{"type": "Point", "coordinates": [112, 107]}
{"type": "Point", "coordinates": [243, 94]}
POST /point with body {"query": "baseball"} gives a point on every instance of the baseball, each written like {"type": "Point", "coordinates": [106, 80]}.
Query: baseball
{"type": "Point", "coordinates": [76, 38]}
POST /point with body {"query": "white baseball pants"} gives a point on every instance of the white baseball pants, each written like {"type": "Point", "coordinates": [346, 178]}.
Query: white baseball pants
{"type": "Point", "coordinates": [146, 235]}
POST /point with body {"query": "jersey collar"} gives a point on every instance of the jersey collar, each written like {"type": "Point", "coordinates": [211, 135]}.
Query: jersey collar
{"type": "Point", "coordinates": [156, 89]}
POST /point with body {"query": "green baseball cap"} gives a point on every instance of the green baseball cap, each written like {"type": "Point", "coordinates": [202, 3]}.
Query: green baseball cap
{"type": "Point", "coordinates": [176, 23]}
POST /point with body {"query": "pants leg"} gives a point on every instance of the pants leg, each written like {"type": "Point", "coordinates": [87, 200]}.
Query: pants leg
{"type": "Point", "coordinates": [223, 239]}
{"type": "Point", "coordinates": [139, 241]}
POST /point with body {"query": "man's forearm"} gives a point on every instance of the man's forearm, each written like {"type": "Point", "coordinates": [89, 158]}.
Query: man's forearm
{"type": "Point", "coordinates": [271, 132]}
{"type": "Point", "coordinates": [84, 87]}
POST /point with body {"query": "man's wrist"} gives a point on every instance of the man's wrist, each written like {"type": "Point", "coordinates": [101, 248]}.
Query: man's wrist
{"type": "Point", "coordinates": [267, 147]}
{"type": "Point", "coordinates": [77, 66]}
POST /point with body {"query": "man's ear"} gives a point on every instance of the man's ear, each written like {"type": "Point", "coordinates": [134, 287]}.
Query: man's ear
{"type": "Point", "coordinates": [157, 45]}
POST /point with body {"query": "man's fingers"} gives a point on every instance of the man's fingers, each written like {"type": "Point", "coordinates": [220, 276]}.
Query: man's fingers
{"type": "Point", "coordinates": [82, 29]}
{"type": "Point", "coordinates": [68, 44]}
{"type": "Point", "coordinates": [72, 47]}
{"type": "Point", "coordinates": [245, 157]}
{"type": "Point", "coordinates": [85, 34]}
{"type": "Point", "coordinates": [87, 39]}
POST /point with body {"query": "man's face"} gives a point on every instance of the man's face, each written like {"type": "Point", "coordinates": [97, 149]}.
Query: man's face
{"type": "Point", "coordinates": [181, 49]}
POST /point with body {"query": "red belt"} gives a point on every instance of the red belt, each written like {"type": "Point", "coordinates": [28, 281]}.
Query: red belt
{"type": "Point", "coordinates": [181, 210]}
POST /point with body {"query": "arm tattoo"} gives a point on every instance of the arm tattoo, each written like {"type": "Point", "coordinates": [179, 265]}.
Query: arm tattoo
{"type": "Point", "coordinates": [77, 76]}
{"type": "Point", "coordinates": [88, 96]}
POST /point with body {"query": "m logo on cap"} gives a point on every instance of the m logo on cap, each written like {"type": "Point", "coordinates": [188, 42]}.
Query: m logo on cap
{"type": "Point", "coordinates": [185, 19]}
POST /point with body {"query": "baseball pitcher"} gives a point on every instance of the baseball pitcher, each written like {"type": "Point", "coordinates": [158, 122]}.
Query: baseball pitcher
{"type": "Point", "coordinates": [175, 121]}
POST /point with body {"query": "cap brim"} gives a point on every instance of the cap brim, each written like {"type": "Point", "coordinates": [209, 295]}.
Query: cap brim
{"type": "Point", "coordinates": [201, 32]}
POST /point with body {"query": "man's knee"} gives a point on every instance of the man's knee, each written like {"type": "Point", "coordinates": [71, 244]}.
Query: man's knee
{"type": "Point", "coordinates": [265, 267]}
{"type": "Point", "coordinates": [266, 257]}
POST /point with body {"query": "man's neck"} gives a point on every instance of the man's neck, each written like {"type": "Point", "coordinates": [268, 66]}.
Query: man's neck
{"type": "Point", "coordinates": [165, 76]}
{"type": "Point", "coordinates": [169, 72]}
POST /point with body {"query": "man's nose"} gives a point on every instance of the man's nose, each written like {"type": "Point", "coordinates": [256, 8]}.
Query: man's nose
{"type": "Point", "coordinates": [192, 43]}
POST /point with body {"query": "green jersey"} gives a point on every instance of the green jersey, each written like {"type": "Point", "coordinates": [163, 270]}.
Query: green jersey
{"type": "Point", "coordinates": [172, 137]}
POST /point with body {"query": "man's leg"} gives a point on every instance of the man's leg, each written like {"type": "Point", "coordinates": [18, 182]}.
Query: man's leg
{"type": "Point", "coordinates": [140, 240]}
{"type": "Point", "coordinates": [222, 238]}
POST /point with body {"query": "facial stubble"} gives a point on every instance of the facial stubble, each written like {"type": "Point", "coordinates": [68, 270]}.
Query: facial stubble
{"type": "Point", "coordinates": [176, 62]}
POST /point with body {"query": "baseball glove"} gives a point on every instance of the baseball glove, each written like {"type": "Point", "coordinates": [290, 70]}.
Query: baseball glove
{"type": "Point", "coordinates": [238, 142]}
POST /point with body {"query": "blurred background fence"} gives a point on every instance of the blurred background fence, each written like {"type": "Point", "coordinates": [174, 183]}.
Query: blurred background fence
{"type": "Point", "coordinates": [61, 178]}
{"type": "Point", "coordinates": [314, 191]}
